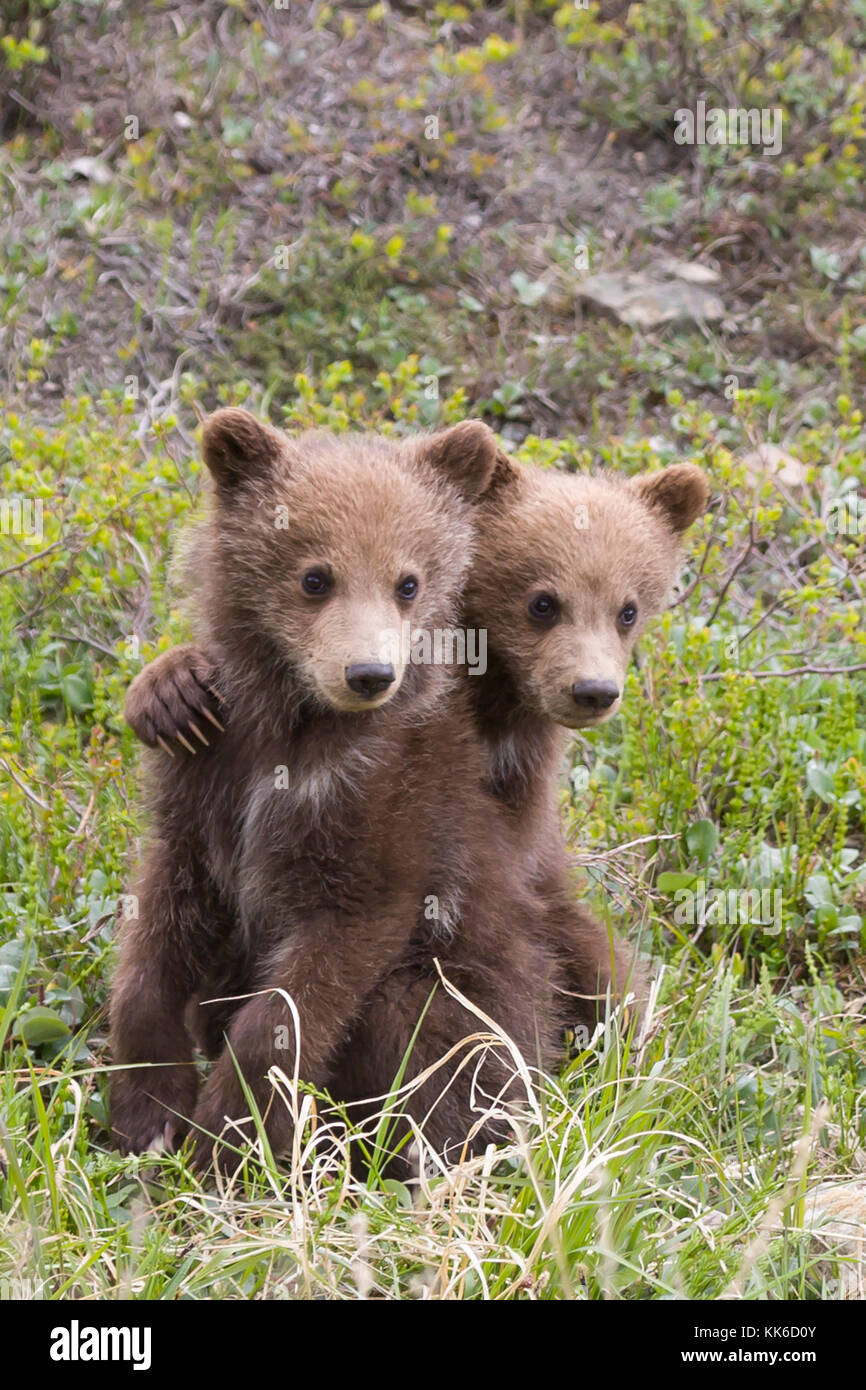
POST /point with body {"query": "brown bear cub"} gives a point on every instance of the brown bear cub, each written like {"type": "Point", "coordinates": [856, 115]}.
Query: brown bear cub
{"type": "Point", "coordinates": [346, 792]}
{"type": "Point", "coordinates": [567, 571]}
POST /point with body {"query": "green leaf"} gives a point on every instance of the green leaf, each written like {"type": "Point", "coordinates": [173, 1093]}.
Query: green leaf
{"type": "Point", "coordinates": [8, 976]}
{"type": "Point", "coordinates": [828, 262]}
{"type": "Point", "coordinates": [821, 782]}
{"type": "Point", "coordinates": [672, 883]}
{"type": "Point", "coordinates": [41, 1025]}
{"type": "Point", "coordinates": [13, 952]}
{"type": "Point", "coordinates": [12, 957]}
{"type": "Point", "coordinates": [400, 1191]}
{"type": "Point", "coordinates": [818, 892]}
{"type": "Point", "coordinates": [852, 924]}
{"type": "Point", "coordinates": [236, 129]}
{"type": "Point", "coordinates": [701, 839]}
{"type": "Point", "coordinates": [529, 292]}
{"type": "Point", "coordinates": [76, 692]}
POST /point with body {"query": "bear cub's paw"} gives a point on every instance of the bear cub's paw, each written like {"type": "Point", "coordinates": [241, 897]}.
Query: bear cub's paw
{"type": "Point", "coordinates": [175, 703]}
{"type": "Point", "coordinates": [150, 1110]}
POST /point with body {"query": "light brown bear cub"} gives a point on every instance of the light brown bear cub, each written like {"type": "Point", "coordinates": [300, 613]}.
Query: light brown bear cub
{"type": "Point", "coordinates": [568, 570]}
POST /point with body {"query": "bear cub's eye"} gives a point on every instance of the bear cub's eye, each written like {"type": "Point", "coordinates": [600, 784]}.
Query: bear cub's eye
{"type": "Point", "coordinates": [316, 582]}
{"type": "Point", "coordinates": [544, 606]}
{"type": "Point", "coordinates": [627, 616]}
{"type": "Point", "coordinates": [408, 587]}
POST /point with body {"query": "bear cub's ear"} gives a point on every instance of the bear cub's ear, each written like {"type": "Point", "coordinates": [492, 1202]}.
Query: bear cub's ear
{"type": "Point", "coordinates": [237, 447]}
{"type": "Point", "coordinates": [465, 455]}
{"type": "Point", "coordinates": [680, 493]}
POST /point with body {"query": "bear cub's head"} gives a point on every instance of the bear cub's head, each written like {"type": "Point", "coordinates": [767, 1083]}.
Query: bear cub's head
{"type": "Point", "coordinates": [321, 547]}
{"type": "Point", "coordinates": [569, 569]}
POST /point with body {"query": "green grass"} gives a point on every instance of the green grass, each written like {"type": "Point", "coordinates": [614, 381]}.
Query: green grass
{"type": "Point", "coordinates": [675, 1164]}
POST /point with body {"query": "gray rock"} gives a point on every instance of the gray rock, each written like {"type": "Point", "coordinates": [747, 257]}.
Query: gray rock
{"type": "Point", "coordinates": [672, 292]}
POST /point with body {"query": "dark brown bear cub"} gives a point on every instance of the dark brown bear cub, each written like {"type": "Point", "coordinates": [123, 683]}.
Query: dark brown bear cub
{"type": "Point", "coordinates": [346, 790]}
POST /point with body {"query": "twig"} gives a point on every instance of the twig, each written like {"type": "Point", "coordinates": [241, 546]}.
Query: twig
{"type": "Point", "coordinates": [43, 805]}
{"type": "Point", "coordinates": [79, 829]}
{"type": "Point", "coordinates": [735, 569]}
{"type": "Point", "coordinates": [31, 559]}
{"type": "Point", "coordinates": [621, 849]}
{"type": "Point", "coordinates": [777, 603]}
{"type": "Point", "coordinates": [690, 588]}
{"type": "Point", "coordinates": [771, 675]}
{"type": "Point", "coordinates": [88, 642]}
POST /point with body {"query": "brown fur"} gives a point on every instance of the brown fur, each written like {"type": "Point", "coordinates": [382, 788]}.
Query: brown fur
{"type": "Point", "coordinates": [625, 549]}
{"type": "Point", "coordinates": [595, 543]}
{"type": "Point", "coordinates": [318, 886]}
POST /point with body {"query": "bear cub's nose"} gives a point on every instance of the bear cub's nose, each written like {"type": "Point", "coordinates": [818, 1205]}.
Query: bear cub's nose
{"type": "Point", "coordinates": [595, 695]}
{"type": "Point", "coordinates": [367, 678]}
